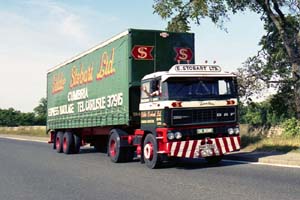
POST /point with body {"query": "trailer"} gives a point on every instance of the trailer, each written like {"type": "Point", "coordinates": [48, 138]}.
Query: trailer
{"type": "Point", "coordinates": [140, 95]}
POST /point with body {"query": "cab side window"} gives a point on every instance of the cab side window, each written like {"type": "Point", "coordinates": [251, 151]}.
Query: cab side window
{"type": "Point", "coordinates": [144, 91]}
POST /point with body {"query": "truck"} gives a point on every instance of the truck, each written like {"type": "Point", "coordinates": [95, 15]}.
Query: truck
{"type": "Point", "coordinates": [139, 95]}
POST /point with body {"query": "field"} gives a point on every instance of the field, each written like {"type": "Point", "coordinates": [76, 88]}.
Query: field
{"type": "Point", "coordinates": [37, 131]}
{"type": "Point", "coordinates": [272, 139]}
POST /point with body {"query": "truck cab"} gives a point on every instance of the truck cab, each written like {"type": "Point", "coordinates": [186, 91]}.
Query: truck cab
{"type": "Point", "coordinates": [192, 111]}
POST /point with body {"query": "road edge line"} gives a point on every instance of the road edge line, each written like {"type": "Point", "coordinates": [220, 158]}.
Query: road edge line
{"type": "Point", "coordinates": [23, 139]}
{"type": "Point", "coordinates": [262, 163]}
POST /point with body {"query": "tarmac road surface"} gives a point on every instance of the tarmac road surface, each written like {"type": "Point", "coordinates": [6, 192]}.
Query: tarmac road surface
{"type": "Point", "coordinates": [33, 171]}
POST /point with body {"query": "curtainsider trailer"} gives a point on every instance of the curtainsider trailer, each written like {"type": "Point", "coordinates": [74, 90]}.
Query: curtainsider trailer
{"type": "Point", "coordinates": [139, 95]}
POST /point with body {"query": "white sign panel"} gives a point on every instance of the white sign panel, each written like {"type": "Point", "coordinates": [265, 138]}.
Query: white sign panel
{"type": "Point", "coordinates": [195, 68]}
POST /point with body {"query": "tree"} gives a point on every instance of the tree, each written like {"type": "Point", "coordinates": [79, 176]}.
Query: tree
{"type": "Point", "coordinates": [9, 117]}
{"type": "Point", "coordinates": [12, 117]}
{"type": "Point", "coordinates": [281, 44]}
{"type": "Point", "coordinates": [41, 112]}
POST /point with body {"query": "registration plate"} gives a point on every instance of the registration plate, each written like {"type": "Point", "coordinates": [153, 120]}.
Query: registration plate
{"type": "Point", "coordinates": [205, 130]}
{"type": "Point", "coordinates": [206, 150]}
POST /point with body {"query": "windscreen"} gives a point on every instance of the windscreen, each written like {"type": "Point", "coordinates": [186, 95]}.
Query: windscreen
{"type": "Point", "coordinates": [199, 88]}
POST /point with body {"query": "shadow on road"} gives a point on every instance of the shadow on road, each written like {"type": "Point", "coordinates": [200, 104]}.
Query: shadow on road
{"type": "Point", "coordinates": [183, 163]}
{"type": "Point", "coordinates": [88, 150]}
{"type": "Point", "coordinates": [192, 164]}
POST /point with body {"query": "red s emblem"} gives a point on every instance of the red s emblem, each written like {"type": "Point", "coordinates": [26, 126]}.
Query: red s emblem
{"type": "Point", "coordinates": [183, 54]}
{"type": "Point", "coordinates": [140, 52]}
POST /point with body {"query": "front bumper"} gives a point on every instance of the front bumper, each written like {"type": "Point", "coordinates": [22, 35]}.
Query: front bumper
{"type": "Point", "coordinates": [204, 147]}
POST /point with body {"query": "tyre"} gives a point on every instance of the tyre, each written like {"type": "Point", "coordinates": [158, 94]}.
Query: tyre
{"type": "Point", "coordinates": [214, 159]}
{"type": "Point", "coordinates": [115, 152]}
{"type": "Point", "coordinates": [151, 157]}
{"type": "Point", "coordinates": [54, 140]}
{"type": "Point", "coordinates": [59, 142]}
{"type": "Point", "coordinates": [77, 143]}
{"type": "Point", "coordinates": [68, 143]}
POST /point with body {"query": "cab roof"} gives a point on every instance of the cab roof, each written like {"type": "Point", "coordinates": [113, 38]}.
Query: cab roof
{"type": "Point", "coordinates": [190, 70]}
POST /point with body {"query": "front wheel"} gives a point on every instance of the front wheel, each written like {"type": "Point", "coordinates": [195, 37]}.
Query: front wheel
{"type": "Point", "coordinates": [151, 157]}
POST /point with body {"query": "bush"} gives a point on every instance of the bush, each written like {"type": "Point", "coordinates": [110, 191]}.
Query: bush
{"type": "Point", "coordinates": [291, 127]}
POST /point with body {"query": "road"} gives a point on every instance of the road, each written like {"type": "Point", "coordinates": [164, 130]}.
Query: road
{"type": "Point", "coordinates": [33, 171]}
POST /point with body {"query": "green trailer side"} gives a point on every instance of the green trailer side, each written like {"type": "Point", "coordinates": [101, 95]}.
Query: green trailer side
{"type": "Point", "coordinates": [101, 86]}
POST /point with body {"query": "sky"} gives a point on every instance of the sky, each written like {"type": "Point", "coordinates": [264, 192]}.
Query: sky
{"type": "Point", "coordinates": [36, 35]}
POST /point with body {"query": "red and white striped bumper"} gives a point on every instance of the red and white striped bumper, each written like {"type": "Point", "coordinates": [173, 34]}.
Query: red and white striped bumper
{"type": "Point", "coordinates": [193, 148]}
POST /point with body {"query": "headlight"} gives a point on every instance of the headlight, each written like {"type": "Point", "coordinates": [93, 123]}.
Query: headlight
{"type": "Point", "coordinates": [230, 131]}
{"type": "Point", "coordinates": [237, 131]}
{"type": "Point", "coordinates": [171, 136]}
{"type": "Point", "coordinates": [178, 135]}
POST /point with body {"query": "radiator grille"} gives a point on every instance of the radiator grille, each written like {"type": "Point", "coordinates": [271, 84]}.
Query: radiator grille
{"type": "Point", "coordinates": [203, 116]}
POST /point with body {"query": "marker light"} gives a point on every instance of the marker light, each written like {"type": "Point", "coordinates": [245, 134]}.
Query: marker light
{"type": "Point", "coordinates": [176, 104]}
{"type": "Point", "coordinates": [230, 102]}
{"type": "Point", "coordinates": [230, 131]}
{"type": "Point", "coordinates": [171, 136]}
{"type": "Point", "coordinates": [237, 131]}
{"type": "Point", "coordinates": [178, 135]}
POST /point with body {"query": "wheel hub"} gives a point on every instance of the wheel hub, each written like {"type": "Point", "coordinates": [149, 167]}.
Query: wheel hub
{"type": "Point", "coordinates": [148, 151]}
{"type": "Point", "coordinates": [57, 143]}
{"type": "Point", "coordinates": [112, 148]}
{"type": "Point", "coordinates": [65, 144]}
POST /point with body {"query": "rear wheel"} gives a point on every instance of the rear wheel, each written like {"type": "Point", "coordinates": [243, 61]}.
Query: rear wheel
{"type": "Point", "coordinates": [115, 151]}
{"type": "Point", "coordinates": [151, 157]}
{"type": "Point", "coordinates": [54, 139]}
{"type": "Point", "coordinates": [68, 143]}
{"type": "Point", "coordinates": [59, 142]}
{"type": "Point", "coordinates": [77, 143]}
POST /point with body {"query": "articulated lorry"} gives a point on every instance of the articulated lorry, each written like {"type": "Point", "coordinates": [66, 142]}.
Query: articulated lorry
{"type": "Point", "coordinates": [139, 95]}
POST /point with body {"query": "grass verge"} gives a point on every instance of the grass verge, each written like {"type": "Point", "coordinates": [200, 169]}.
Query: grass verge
{"type": "Point", "coordinates": [37, 131]}
{"type": "Point", "coordinates": [278, 143]}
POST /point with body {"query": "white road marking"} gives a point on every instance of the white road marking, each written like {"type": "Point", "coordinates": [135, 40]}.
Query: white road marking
{"type": "Point", "coordinates": [23, 139]}
{"type": "Point", "coordinates": [261, 163]}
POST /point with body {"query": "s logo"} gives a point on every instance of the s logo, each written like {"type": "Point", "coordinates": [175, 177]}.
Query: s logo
{"type": "Point", "coordinates": [183, 54]}
{"type": "Point", "coordinates": [140, 52]}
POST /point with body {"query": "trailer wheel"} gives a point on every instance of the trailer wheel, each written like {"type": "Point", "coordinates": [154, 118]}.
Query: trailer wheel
{"type": "Point", "coordinates": [115, 152]}
{"type": "Point", "coordinates": [68, 143]}
{"type": "Point", "coordinates": [54, 140]}
{"type": "Point", "coordinates": [77, 143]}
{"type": "Point", "coordinates": [151, 157]}
{"type": "Point", "coordinates": [59, 142]}
{"type": "Point", "coordinates": [214, 159]}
